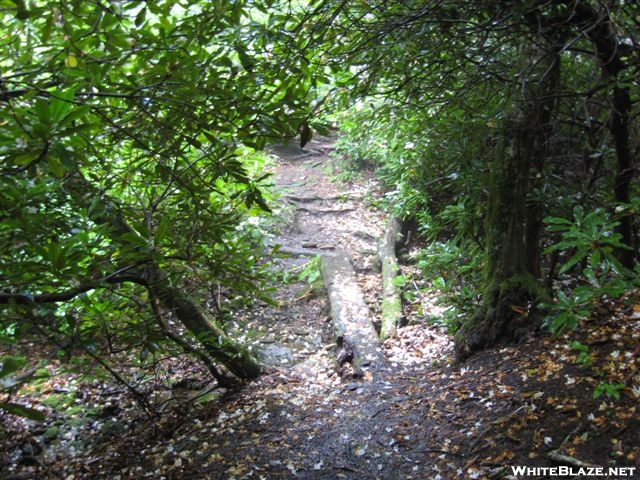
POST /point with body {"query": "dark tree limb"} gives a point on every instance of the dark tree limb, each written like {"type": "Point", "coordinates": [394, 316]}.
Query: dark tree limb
{"type": "Point", "coordinates": [202, 324]}
{"type": "Point", "coordinates": [194, 317]}
{"type": "Point", "coordinates": [22, 298]}
{"type": "Point", "coordinates": [223, 380]}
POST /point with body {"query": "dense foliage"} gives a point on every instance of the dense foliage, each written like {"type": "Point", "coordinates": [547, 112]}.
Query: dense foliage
{"type": "Point", "coordinates": [132, 136]}
{"type": "Point", "coordinates": [131, 160]}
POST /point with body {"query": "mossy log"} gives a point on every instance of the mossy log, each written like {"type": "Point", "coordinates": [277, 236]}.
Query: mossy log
{"type": "Point", "coordinates": [350, 316]}
{"type": "Point", "coordinates": [391, 300]}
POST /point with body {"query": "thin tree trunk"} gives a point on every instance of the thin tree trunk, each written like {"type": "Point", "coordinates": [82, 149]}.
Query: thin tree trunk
{"type": "Point", "coordinates": [199, 322]}
{"type": "Point", "coordinates": [620, 119]}
{"type": "Point", "coordinates": [609, 50]}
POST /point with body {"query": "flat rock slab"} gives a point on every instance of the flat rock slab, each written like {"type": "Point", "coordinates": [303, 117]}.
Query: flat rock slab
{"type": "Point", "coordinates": [350, 315]}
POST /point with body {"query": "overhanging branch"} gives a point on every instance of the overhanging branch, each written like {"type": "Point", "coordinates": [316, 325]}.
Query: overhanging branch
{"type": "Point", "coordinates": [25, 298]}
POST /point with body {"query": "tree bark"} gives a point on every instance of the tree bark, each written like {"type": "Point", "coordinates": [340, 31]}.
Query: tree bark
{"type": "Point", "coordinates": [352, 324]}
{"type": "Point", "coordinates": [510, 284]}
{"type": "Point", "coordinates": [199, 322]}
{"type": "Point", "coordinates": [391, 302]}
{"type": "Point", "coordinates": [620, 119]}
{"type": "Point", "coordinates": [609, 51]}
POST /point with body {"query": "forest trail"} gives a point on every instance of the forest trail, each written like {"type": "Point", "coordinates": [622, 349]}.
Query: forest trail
{"type": "Point", "coordinates": [317, 217]}
{"type": "Point", "coordinates": [302, 419]}
{"type": "Point", "coordinates": [421, 417]}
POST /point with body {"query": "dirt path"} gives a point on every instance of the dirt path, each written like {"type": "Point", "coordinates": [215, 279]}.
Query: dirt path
{"type": "Point", "coordinates": [301, 420]}
{"type": "Point", "coordinates": [317, 216]}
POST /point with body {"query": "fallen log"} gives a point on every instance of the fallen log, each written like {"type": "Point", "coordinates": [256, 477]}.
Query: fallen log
{"type": "Point", "coordinates": [352, 325]}
{"type": "Point", "coordinates": [391, 301]}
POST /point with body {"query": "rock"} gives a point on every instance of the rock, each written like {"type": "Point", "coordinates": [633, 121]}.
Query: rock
{"type": "Point", "coordinates": [275, 354]}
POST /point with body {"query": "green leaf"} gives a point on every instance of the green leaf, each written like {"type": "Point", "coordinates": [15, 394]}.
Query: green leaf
{"type": "Point", "coordinates": [594, 260]}
{"type": "Point", "coordinates": [108, 20]}
{"type": "Point", "coordinates": [135, 239]}
{"type": "Point", "coordinates": [120, 40]}
{"type": "Point", "coordinates": [60, 104]}
{"type": "Point", "coordinates": [22, 411]}
{"type": "Point", "coordinates": [162, 230]}
{"type": "Point", "coordinates": [259, 200]}
{"type": "Point", "coordinates": [75, 114]}
{"type": "Point", "coordinates": [563, 322]}
{"type": "Point", "coordinates": [11, 364]}
{"type": "Point", "coordinates": [575, 345]}
{"type": "Point", "coordinates": [609, 389]}
{"type": "Point", "coordinates": [563, 298]}
{"type": "Point", "coordinates": [42, 111]}
{"type": "Point", "coordinates": [577, 257]}
{"type": "Point", "coordinates": [48, 28]}
{"type": "Point", "coordinates": [141, 17]}
{"type": "Point", "coordinates": [56, 167]}
{"type": "Point", "coordinates": [613, 262]}
{"type": "Point", "coordinates": [590, 275]}
{"type": "Point", "coordinates": [247, 61]}
{"type": "Point", "coordinates": [26, 158]}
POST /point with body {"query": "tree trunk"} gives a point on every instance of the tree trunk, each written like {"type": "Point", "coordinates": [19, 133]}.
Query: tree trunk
{"type": "Point", "coordinates": [199, 322]}
{"type": "Point", "coordinates": [619, 126]}
{"type": "Point", "coordinates": [510, 283]}
{"type": "Point", "coordinates": [610, 50]}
